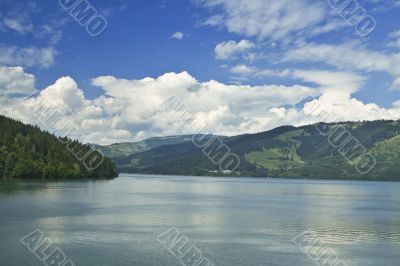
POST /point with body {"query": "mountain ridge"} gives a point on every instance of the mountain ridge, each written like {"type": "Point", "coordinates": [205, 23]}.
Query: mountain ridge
{"type": "Point", "coordinates": [286, 151]}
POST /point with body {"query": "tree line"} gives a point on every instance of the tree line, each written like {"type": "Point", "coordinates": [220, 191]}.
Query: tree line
{"type": "Point", "coordinates": [28, 152]}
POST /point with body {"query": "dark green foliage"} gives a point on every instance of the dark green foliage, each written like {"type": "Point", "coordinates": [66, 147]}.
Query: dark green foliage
{"type": "Point", "coordinates": [296, 153]}
{"type": "Point", "coordinates": [28, 152]}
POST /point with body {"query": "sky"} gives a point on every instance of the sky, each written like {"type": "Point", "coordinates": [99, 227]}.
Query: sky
{"type": "Point", "coordinates": [230, 66]}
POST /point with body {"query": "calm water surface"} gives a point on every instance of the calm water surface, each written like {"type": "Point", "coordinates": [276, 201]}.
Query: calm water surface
{"type": "Point", "coordinates": [233, 221]}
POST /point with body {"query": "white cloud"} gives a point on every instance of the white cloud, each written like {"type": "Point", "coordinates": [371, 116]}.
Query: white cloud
{"type": "Point", "coordinates": [250, 71]}
{"type": "Point", "coordinates": [214, 20]}
{"type": "Point", "coordinates": [243, 69]}
{"type": "Point", "coordinates": [329, 81]}
{"type": "Point", "coordinates": [20, 25]}
{"type": "Point", "coordinates": [17, 16]}
{"type": "Point", "coordinates": [394, 39]}
{"type": "Point", "coordinates": [331, 25]}
{"type": "Point", "coordinates": [131, 109]}
{"type": "Point", "coordinates": [227, 50]}
{"type": "Point", "coordinates": [293, 26]}
{"type": "Point", "coordinates": [396, 104]}
{"type": "Point", "coordinates": [326, 80]}
{"type": "Point", "coordinates": [26, 17]}
{"type": "Point", "coordinates": [281, 20]}
{"type": "Point", "coordinates": [345, 56]}
{"type": "Point", "coordinates": [348, 56]}
{"type": "Point", "coordinates": [396, 84]}
{"type": "Point", "coordinates": [222, 108]}
{"type": "Point", "coordinates": [346, 108]}
{"type": "Point", "coordinates": [15, 80]}
{"type": "Point", "coordinates": [273, 73]}
{"type": "Point", "coordinates": [178, 35]}
{"type": "Point", "coordinates": [51, 31]}
{"type": "Point", "coordinates": [330, 107]}
{"type": "Point", "coordinates": [64, 95]}
{"type": "Point", "coordinates": [31, 56]}
{"type": "Point", "coordinates": [384, 5]}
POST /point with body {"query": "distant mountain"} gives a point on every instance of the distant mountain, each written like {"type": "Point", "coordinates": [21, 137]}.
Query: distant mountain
{"type": "Point", "coordinates": [28, 152]}
{"type": "Point", "coordinates": [124, 149]}
{"type": "Point", "coordinates": [295, 152]}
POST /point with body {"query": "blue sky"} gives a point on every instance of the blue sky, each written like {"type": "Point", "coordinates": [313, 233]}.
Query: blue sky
{"type": "Point", "coordinates": [137, 42]}
{"type": "Point", "coordinates": [264, 56]}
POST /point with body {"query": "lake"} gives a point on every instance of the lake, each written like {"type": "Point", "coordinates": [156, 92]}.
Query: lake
{"type": "Point", "coordinates": [232, 221]}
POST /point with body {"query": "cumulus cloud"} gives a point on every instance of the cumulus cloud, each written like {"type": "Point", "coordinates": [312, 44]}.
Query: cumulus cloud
{"type": "Point", "coordinates": [137, 101]}
{"type": "Point", "coordinates": [15, 80]}
{"type": "Point", "coordinates": [131, 110]}
{"type": "Point", "coordinates": [229, 49]}
{"type": "Point", "coordinates": [331, 107]}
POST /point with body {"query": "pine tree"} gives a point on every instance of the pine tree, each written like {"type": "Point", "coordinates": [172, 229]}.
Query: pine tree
{"type": "Point", "coordinates": [28, 152]}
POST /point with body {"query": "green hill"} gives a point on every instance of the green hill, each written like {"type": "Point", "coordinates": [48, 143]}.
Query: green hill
{"type": "Point", "coordinates": [28, 152]}
{"type": "Point", "coordinates": [295, 152]}
{"type": "Point", "coordinates": [128, 148]}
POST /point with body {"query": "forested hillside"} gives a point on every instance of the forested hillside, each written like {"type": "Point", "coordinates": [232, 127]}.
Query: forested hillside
{"type": "Point", "coordinates": [28, 152]}
{"type": "Point", "coordinates": [121, 150]}
{"type": "Point", "coordinates": [296, 152]}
